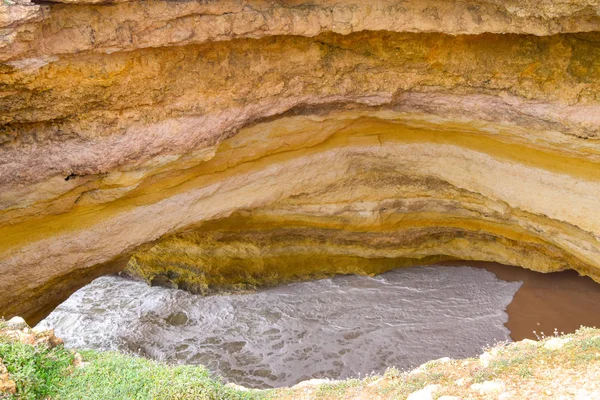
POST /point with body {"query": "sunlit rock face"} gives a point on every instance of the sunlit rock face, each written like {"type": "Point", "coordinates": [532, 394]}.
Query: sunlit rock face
{"type": "Point", "coordinates": [234, 144]}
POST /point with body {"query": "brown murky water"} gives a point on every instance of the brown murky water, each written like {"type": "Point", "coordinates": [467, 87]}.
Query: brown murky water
{"type": "Point", "coordinates": [561, 300]}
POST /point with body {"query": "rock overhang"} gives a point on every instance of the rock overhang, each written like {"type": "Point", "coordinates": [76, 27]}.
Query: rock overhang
{"type": "Point", "coordinates": [285, 142]}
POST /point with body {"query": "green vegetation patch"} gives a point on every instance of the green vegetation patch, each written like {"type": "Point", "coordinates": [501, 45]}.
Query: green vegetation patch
{"type": "Point", "coordinates": [112, 375]}
{"type": "Point", "coordinates": [37, 370]}
{"type": "Point", "coordinates": [42, 373]}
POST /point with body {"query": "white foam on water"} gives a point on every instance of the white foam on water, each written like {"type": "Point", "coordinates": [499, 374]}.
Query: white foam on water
{"type": "Point", "coordinates": [333, 328]}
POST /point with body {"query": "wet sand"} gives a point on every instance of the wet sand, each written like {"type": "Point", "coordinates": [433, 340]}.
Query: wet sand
{"type": "Point", "coordinates": [561, 300]}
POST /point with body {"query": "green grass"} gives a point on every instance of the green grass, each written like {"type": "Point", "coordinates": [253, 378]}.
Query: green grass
{"type": "Point", "coordinates": [338, 389]}
{"type": "Point", "coordinates": [112, 375]}
{"type": "Point", "coordinates": [37, 371]}
{"type": "Point", "coordinates": [42, 373]}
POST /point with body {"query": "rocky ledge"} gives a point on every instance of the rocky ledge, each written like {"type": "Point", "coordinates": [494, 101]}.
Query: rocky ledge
{"type": "Point", "coordinates": [555, 367]}
{"type": "Point", "coordinates": [232, 144]}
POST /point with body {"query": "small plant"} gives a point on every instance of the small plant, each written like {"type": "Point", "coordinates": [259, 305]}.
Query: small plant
{"type": "Point", "coordinates": [482, 375]}
{"type": "Point", "coordinates": [435, 377]}
{"type": "Point", "coordinates": [392, 373]}
{"type": "Point", "coordinates": [542, 335]}
{"type": "Point", "coordinates": [524, 372]}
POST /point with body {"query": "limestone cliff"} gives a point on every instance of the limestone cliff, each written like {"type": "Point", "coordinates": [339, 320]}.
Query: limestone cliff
{"type": "Point", "coordinates": [238, 143]}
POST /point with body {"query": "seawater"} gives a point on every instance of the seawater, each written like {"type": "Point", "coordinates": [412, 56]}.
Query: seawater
{"type": "Point", "coordinates": [347, 326]}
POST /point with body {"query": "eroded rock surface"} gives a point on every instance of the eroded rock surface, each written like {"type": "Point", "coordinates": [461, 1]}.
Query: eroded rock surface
{"type": "Point", "coordinates": [241, 143]}
{"type": "Point", "coordinates": [7, 386]}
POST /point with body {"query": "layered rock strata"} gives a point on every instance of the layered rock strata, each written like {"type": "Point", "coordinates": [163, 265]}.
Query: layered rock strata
{"type": "Point", "coordinates": [233, 144]}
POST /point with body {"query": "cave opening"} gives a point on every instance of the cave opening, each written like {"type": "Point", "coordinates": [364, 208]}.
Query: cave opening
{"type": "Point", "coordinates": [330, 205]}
{"type": "Point", "coordinates": [325, 257]}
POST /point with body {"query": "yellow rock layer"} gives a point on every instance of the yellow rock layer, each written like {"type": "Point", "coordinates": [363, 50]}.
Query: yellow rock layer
{"type": "Point", "coordinates": [378, 217]}
{"type": "Point", "coordinates": [258, 159]}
